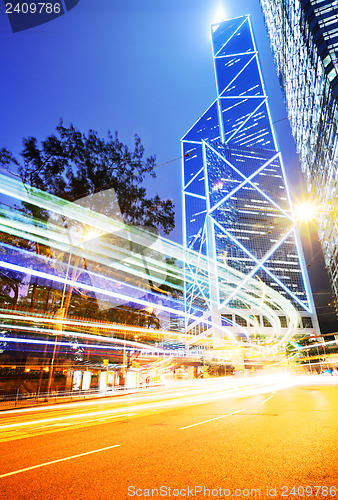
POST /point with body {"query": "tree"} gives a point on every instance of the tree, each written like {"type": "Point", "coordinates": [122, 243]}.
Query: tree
{"type": "Point", "coordinates": [144, 318]}
{"type": "Point", "coordinates": [10, 280]}
{"type": "Point", "coordinates": [74, 165]}
{"type": "Point", "coordinates": [307, 350]}
{"type": "Point", "coordinates": [71, 165]}
{"type": "Point", "coordinates": [217, 368]}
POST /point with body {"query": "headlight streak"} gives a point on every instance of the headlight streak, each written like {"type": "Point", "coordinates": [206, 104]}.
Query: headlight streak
{"type": "Point", "coordinates": [115, 295]}
{"type": "Point", "coordinates": [57, 237]}
{"type": "Point", "coordinates": [66, 417]}
{"type": "Point", "coordinates": [184, 399]}
{"type": "Point", "coordinates": [65, 333]}
{"type": "Point", "coordinates": [182, 389]}
{"type": "Point", "coordinates": [284, 361]}
{"type": "Point", "coordinates": [95, 324]}
{"type": "Point", "coordinates": [106, 326]}
{"type": "Point", "coordinates": [146, 348]}
{"type": "Point", "coordinates": [145, 351]}
{"type": "Point", "coordinates": [125, 298]}
{"type": "Point", "coordinates": [148, 352]}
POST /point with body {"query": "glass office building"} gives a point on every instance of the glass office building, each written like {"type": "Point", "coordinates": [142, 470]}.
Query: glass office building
{"type": "Point", "coordinates": [304, 41]}
{"type": "Point", "coordinates": [235, 199]}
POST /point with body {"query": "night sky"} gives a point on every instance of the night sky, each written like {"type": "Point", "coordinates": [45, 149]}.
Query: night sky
{"type": "Point", "coordinates": [140, 67]}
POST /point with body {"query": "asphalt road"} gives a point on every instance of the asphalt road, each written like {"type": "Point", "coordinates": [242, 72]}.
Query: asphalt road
{"type": "Point", "coordinates": [257, 438]}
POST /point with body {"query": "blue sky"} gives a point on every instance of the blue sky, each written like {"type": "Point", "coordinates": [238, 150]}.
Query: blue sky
{"type": "Point", "coordinates": [135, 67]}
{"type": "Point", "coordinates": [140, 67]}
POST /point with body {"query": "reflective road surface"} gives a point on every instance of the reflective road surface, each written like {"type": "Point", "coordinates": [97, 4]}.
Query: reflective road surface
{"type": "Point", "coordinates": [255, 437]}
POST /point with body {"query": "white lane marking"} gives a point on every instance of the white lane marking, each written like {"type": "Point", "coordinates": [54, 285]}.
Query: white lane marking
{"type": "Point", "coordinates": [267, 399]}
{"type": "Point", "coordinates": [68, 417]}
{"type": "Point", "coordinates": [211, 419]}
{"type": "Point", "coordinates": [59, 460]}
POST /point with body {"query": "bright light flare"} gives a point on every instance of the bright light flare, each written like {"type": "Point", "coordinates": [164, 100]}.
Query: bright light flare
{"type": "Point", "coordinates": [217, 186]}
{"type": "Point", "coordinates": [92, 234]}
{"type": "Point", "coordinates": [306, 211]}
{"type": "Point", "coordinates": [219, 15]}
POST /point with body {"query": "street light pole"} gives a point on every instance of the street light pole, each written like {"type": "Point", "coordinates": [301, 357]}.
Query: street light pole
{"type": "Point", "coordinates": [60, 313]}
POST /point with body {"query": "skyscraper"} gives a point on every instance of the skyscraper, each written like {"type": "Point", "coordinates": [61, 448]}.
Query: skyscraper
{"type": "Point", "coordinates": [235, 199]}
{"type": "Point", "coordinates": [304, 40]}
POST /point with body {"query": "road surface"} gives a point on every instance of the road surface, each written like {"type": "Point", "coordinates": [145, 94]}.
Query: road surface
{"type": "Point", "coordinates": [261, 437]}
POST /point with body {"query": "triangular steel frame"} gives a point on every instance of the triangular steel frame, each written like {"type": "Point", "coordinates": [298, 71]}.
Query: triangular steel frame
{"type": "Point", "coordinates": [258, 138]}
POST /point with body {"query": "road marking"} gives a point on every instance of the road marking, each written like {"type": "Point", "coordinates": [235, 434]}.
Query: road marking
{"type": "Point", "coordinates": [59, 460]}
{"type": "Point", "coordinates": [68, 417]}
{"type": "Point", "coordinates": [268, 399]}
{"type": "Point", "coordinates": [211, 419]}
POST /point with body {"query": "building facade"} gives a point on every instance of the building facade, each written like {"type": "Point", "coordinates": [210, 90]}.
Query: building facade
{"type": "Point", "coordinates": [236, 206]}
{"type": "Point", "coordinates": [304, 41]}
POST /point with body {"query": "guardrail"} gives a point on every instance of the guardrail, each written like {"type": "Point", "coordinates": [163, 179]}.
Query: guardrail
{"type": "Point", "coordinates": [8, 401]}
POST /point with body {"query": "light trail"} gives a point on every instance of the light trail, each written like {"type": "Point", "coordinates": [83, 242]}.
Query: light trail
{"type": "Point", "coordinates": [179, 389]}
{"type": "Point", "coordinates": [151, 350]}
{"type": "Point", "coordinates": [138, 254]}
{"type": "Point", "coordinates": [89, 336]}
{"type": "Point", "coordinates": [92, 324]}
{"type": "Point", "coordinates": [196, 392]}
{"type": "Point", "coordinates": [25, 424]}
{"type": "Point", "coordinates": [63, 418]}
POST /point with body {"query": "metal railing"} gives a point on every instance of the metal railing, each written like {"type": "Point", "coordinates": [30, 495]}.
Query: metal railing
{"type": "Point", "coordinates": [15, 400]}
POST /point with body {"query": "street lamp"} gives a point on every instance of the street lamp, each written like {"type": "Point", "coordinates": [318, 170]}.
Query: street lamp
{"type": "Point", "coordinates": [306, 211]}
{"type": "Point", "coordinates": [59, 315]}
{"type": "Point", "coordinates": [309, 210]}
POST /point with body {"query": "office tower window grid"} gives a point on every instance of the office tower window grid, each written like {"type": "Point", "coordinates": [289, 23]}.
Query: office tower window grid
{"type": "Point", "coordinates": [304, 41]}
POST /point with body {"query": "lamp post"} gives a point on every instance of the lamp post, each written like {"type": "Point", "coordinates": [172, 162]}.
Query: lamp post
{"type": "Point", "coordinates": [308, 211]}
{"type": "Point", "coordinates": [85, 235]}
{"type": "Point", "coordinates": [59, 314]}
